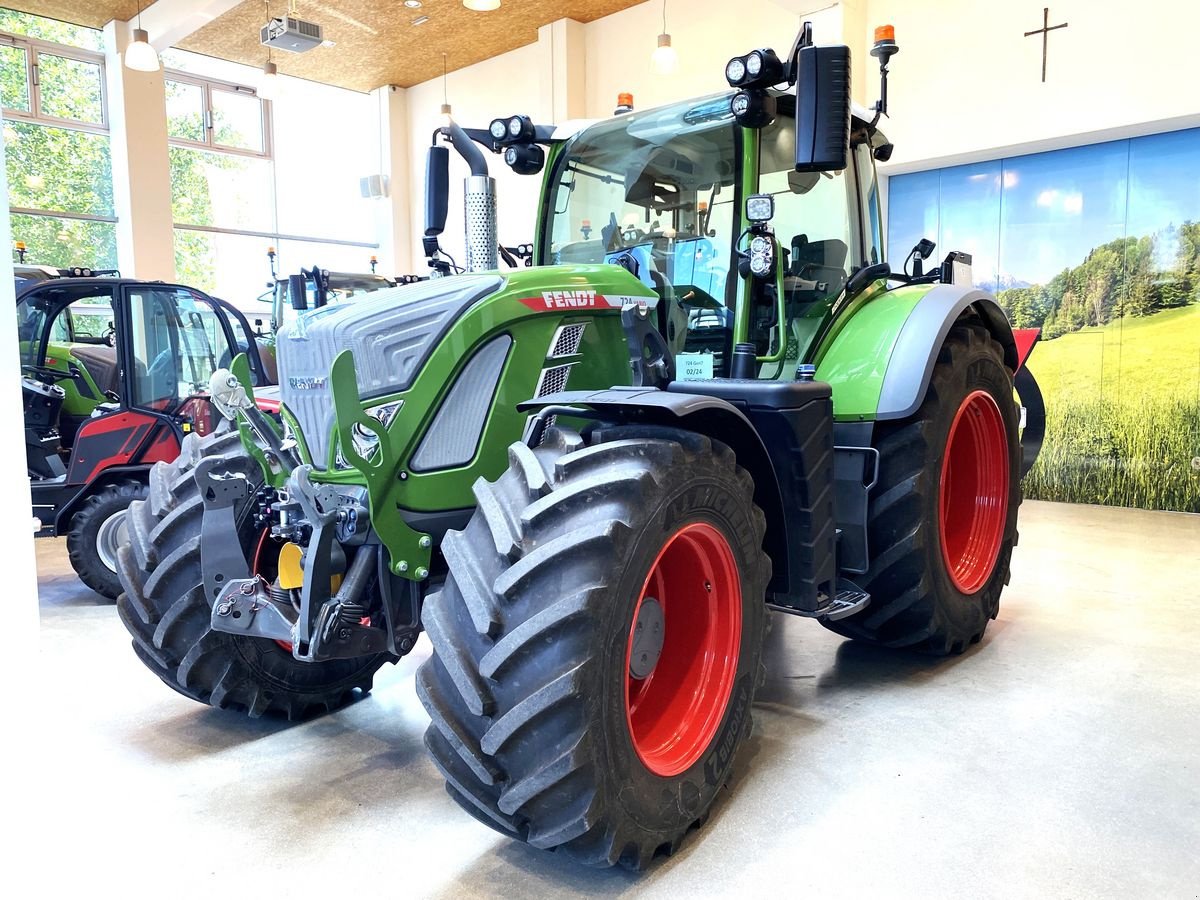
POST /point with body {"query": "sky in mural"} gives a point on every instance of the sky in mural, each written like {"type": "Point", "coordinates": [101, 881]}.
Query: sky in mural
{"type": "Point", "coordinates": [1026, 218]}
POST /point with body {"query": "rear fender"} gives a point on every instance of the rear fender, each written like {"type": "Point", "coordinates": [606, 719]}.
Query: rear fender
{"type": "Point", "coordinates": [880, 361]}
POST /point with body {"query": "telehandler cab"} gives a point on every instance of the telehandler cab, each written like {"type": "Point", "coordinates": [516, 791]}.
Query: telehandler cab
{"type": "Point", "coordinates": [590, 480]}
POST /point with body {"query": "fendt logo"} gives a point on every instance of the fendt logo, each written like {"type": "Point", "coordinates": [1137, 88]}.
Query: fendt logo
{"type": "Point", "coordinates": [572, 299]}
{"type": "Point", "coordinates": [314, 383]}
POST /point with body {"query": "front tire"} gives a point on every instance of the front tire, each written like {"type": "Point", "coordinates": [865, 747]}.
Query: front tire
{"type": "Point", "coordinates": [942, 521]}
{"type": "Point", "coordinates": [168, 616]}
{"type": "Point", "coordinates": [97, 533]}
{"type": "Point", "coordinates": [556, 719]}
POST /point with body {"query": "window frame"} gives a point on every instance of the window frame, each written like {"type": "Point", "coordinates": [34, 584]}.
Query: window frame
{"type": "Point", "coordinates": [35, 47]}
{"type": "Point", "coordinates": [207, 86]}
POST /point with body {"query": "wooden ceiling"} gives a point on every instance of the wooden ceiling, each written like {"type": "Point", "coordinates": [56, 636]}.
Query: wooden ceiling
{"type": "Point", "coordinates": [375, 42]}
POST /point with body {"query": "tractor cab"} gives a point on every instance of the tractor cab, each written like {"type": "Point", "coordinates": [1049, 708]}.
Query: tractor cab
{"type": "Point", "coordinates": [114, 372]}
{"type": "Point", "coordinates": [663, 194]}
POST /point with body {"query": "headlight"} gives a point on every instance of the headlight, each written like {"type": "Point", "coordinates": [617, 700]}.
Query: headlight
{"type": "Point", "coordinates": [762, 256]}
{"type": "Point", "coordinates": [365, 440]}
{"type": "Point", "coordinates": [735, 71]}
{"type": "Point", "coordinates": [760, 208]}
{"type": "Point", "coordinates": [498, 129]}
{"type": "Point", "coordinates": [754, 64]}
{"type": "Point", "coordinates": [740, 104]}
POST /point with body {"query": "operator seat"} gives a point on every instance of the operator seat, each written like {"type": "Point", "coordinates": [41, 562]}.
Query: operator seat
{"type": "Point", "coordinates": [101, 363]}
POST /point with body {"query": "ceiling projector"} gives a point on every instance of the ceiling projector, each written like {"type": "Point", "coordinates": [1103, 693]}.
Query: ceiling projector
{"type": "Point", "coordinates": [288, 33]}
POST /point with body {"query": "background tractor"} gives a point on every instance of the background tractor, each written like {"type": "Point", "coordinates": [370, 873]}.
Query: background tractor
{"type": "Point", "coordinates": [590, 480]}
{"type": "Point", "coordinates": [112, 372]}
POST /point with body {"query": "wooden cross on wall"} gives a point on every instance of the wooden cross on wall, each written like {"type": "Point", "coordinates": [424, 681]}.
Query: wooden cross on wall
{"type": "Point", "coordinates": [1044, 31]}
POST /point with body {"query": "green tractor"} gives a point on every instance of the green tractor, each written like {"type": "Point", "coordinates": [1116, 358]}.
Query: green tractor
{"type": "Point", "coordinates": [591, 480]}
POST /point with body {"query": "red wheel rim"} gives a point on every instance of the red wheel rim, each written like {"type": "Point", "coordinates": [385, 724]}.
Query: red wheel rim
{"type": "Point", "coordinates": [973, 493]}
{"type": "Point", "coordinates": [674, 712]}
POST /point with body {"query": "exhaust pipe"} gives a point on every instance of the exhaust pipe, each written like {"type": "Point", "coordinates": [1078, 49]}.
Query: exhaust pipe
{"type": "Point", "coordinates": [479, 197]}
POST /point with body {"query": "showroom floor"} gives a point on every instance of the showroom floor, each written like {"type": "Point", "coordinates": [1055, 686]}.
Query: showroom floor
{"type": "Point", "coordinates": [1057, 758]}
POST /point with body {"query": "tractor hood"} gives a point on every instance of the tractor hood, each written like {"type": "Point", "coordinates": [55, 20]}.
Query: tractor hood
{"type": "Point", "coordinates": [391, 335]}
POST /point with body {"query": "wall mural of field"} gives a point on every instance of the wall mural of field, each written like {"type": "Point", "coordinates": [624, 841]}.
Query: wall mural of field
{"type": "Point", "coordinates": [1099, 246]}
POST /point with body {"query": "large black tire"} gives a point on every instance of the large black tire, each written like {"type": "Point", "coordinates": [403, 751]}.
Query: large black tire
{"type": "Point", "coordinates": [915, 599]}
{"type": "Point", "coordinates": [527, 686]}
{"type": "Point", "coordinates": [166, 612]}
{"type": "Point", "coordinates": [97, 531]}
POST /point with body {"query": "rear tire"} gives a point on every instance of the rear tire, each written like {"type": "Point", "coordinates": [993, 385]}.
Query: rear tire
{"type": "Point", "coordinates": [539, 723]}
{"type": "Point", "coordinates": [924, 596]}
{"type": "Point", "coordinates": [166, 612]}
{"type": "Point", "coordinates": [96, 534]}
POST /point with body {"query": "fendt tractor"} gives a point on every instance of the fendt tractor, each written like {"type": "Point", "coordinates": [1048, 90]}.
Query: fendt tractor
{"type": "Point", "coordinates": [591, 480]}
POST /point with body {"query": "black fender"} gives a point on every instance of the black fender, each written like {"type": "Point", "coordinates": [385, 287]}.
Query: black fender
{"type": "Point", "coordinates": [713, 417]}
{"type": "Point", "coordinates": [921, 337]}
{"type": "Point", "coordinates": [62, 520]}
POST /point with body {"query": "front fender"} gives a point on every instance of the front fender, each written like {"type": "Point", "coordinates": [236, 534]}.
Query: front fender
{"type": "Point", "coordinates": [880, 361]}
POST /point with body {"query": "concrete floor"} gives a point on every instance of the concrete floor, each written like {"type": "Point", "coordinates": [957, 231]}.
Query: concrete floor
{"type": "Point", "coordinates": [1059, 758]}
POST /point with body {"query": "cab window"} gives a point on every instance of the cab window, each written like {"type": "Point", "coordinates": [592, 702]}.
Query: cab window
{"type": "Point", "coordinates": [176, 344]}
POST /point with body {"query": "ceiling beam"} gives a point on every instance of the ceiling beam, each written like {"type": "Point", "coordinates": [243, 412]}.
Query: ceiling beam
{"type": "Point", "coordinates": [170, 21]}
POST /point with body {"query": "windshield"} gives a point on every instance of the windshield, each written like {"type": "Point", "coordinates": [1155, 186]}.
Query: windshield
{"type": "Point", "coordinates": [660, 184]}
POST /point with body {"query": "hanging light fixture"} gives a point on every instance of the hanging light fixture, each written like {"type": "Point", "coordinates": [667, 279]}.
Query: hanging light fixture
{"type": "Point", "coordinates": [445, 96]}
{"type": "Point", "coordinates": [664, 58]}
{"type": "Point", "coordinates": [139, 55]}
{"type": "Point", "coordinates": [268, 82]}
{"type": "Point", "coordinates": [482, 5]}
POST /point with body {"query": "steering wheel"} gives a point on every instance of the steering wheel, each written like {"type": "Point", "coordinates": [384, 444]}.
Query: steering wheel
{"type": "Point", "coordinates": [45, 374]}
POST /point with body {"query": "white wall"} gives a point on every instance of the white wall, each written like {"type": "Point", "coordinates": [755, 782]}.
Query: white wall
{"type": "Point", "coordinates": [502, 86]}
{"type": "Point", "coordinates": [967, 83]}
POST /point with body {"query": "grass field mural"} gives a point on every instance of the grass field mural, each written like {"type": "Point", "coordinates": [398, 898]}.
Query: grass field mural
{"type": "Point", "coordinates": [1099, 246]}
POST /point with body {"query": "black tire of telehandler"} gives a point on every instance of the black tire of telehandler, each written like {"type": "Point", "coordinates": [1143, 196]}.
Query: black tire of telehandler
{"type": "Point", "coordinates": [526, 685]}
{"type": "Point", "coordinates": [914, 601]}
{"type": "Point", "coordinates": [164, 608]}
{"type": "Point", "coordinates": [84, 538]}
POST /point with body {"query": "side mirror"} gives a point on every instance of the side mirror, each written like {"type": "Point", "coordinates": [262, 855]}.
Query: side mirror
{"type": "Point", "coordinates": [298, 292]}
{"type": "Point", "coordinates": [437, 190]}
{"type": "Point", "coordinates": [822, 109]}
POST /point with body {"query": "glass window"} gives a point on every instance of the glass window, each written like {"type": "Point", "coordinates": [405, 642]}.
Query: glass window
{"type": "Point", "coordinates": [58, 169]}
{"type": "Point", "coordinates": [185, 111]}
{"type": "Point", "coordinates": [221, 189]}
{"type": "Point", "coordinates": [233, 267]}
{"type": "Point", "coordinates": [51, 30]}
{"type": "Point", "coordinates": [14, 78]}
{"type": "Point", "coordinates": [815, 213]}
{"type": "Point", "coordinates": [865, 163]}
{"type": "Point", "coordinates": [659, 185]}
{"type": "Point", "coordinates": [71, 88]}
{"type": "Point", "coordinates": [177, 345]}
{"type": "Point", "coordinates": [237, 120]}
{"type": "Point", "coordinates": [62, 242]}
{"type": "Point", "coordinates": [343, 213]}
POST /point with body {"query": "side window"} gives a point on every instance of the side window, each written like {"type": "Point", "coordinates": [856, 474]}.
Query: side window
{"type": "Point", "coordinates": [816, 215]}
{"type": "Point", "coordinates": [31, 322]}
{"type": "Point", "coordinates": [173, 346]}
{"type": "Point", "coordinates": [871, 214]}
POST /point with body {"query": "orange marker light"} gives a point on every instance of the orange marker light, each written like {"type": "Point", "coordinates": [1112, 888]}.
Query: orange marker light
{"type": "Point", "coordinates": [885, 33]}
{"type": "Point", "coordinates": [624, 99]}
{"type": "Point", "coordinates": [20, 245]}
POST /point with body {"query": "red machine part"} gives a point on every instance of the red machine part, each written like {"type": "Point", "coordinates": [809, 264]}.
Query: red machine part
{"type": "Point", "coordinates": [122, 438]}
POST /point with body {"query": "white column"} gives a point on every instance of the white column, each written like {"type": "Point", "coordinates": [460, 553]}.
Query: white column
{"type": "Point", "coordinates": [141, 166]}
{"type": "Point", "coordinates": [563, 53]}
{"type": "Point", "coordinates": [394, 213]}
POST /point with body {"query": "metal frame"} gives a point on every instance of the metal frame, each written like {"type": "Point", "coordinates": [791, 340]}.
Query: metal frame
{"type": "Point", "coordinates": [34, 47]}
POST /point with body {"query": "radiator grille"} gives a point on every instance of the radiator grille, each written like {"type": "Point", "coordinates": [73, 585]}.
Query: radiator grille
{"type": "Point", "coordinates": [566, 340]}
{"type": "Point", "coordinates": [553, 380]}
